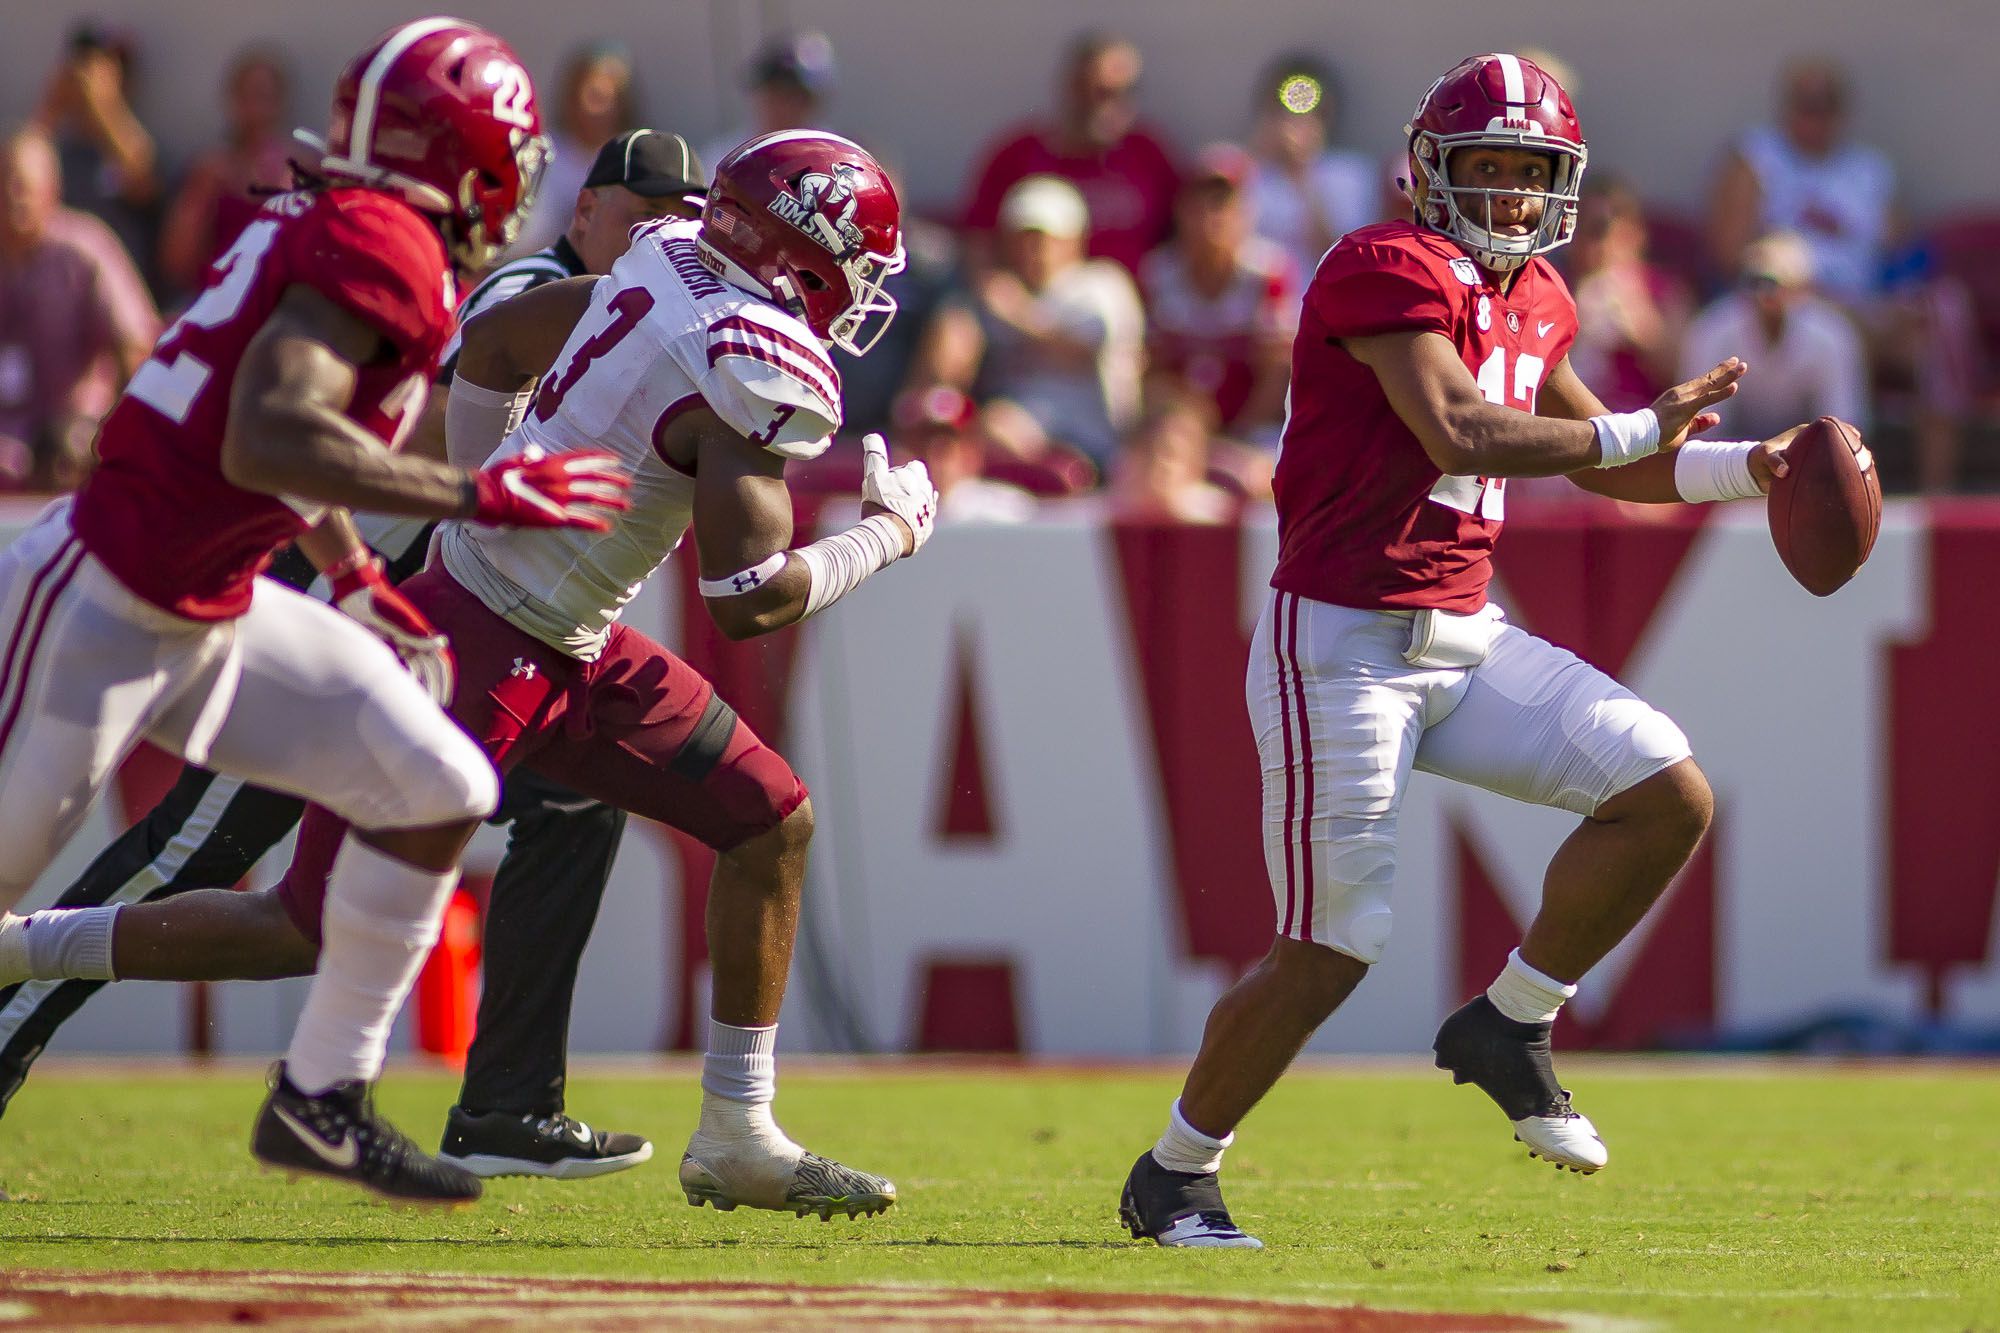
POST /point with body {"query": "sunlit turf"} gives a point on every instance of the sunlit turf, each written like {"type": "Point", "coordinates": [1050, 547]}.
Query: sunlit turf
{"type": "Point", "coordinates": [1810, 1197]}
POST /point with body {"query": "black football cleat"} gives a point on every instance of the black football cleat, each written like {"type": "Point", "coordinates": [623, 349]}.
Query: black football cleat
{"type": "Point", "coordinates": [504, 1143]}
{"type": "Point", "coordinates": [1179, 1208]}
{"type": "Point", "coordinates": [338, 1133]}
{"type": "Point", "coordinates": [1509, 1062]}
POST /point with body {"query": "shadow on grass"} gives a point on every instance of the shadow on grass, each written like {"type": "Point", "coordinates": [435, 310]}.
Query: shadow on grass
{"type": "Point", "coordinates": [530, 1243]}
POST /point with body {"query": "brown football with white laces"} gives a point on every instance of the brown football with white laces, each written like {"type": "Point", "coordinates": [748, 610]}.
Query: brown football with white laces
{"type": "Point", "coordinates": [1826, 511]}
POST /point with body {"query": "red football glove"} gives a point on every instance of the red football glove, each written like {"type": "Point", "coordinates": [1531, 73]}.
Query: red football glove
{"type": "Point", "coordinates": [535, 489]}
{"type": "Point", "coordinates": [369, 599]}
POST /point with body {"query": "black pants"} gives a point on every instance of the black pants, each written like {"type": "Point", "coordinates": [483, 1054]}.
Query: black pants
{"type": "Point", "coordinates": [209, 831]}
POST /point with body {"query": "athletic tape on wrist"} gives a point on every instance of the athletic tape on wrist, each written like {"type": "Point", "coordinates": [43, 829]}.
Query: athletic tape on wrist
{"type": "Point", "coordinates": [837, 564]}
{"type": "Point", "coordinates": [744, 580]}
{"type": "Point", "coordinates": [1626, 437]}
{"type": "Point", "coordinates": [1716, 470]}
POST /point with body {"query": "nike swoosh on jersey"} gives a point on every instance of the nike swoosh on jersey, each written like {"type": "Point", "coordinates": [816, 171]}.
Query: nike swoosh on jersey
{"type": "Point", "coordinates": [1542, 330]}
{"type": "Point", "coordinates": [343, 1155]}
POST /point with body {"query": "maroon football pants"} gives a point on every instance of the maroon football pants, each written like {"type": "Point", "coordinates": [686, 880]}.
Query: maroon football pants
{"type": "Point", "coordinates": [637, 728]}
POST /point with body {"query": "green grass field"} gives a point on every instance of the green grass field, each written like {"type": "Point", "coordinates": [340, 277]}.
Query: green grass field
{"type": "Point", "coordinates": [1816, 1197]}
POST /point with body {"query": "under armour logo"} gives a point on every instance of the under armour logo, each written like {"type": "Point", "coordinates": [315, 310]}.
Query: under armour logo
{"type": "Point", "coordinates": [747, 580]}
{"type": "Point", "coordinates": [523, 668]}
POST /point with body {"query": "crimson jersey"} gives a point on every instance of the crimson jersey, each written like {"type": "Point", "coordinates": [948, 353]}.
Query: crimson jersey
{"type": "Point", "coordinates": [157, 512]}
{"type": "Point", "coordinates": [1365, 519]}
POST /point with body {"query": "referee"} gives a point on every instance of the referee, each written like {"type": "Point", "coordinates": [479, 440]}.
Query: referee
{"type": "Point", "coordinates": [208, 832]}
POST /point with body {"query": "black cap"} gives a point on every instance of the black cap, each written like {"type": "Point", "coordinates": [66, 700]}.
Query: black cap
{"type": "Point", "coordinates": [654, 163]}
{"type": "Point", "coordinates": [802, 60]}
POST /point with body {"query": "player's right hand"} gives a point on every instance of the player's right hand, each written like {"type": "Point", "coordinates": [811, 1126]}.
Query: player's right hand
{"type": "Point", "coordinates": [904, 491]}
{"type": "Point", "coordinates": [1682, 410]}
{"type": "Point", "coordinates": [536, 489]}
{"type": "Point", "coordinates": [366, 596]}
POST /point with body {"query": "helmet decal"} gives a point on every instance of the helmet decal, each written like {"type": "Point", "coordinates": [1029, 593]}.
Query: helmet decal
{"type": "Point", "coordinates": [817, 194]}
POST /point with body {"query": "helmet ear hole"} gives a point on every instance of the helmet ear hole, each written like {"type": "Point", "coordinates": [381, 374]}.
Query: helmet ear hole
{"type": "Point", "coordinates": [812, 281]}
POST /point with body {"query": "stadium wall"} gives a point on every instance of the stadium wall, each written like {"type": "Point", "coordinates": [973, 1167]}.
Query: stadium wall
{"type": "Point", "coordinates": [1037, 799]}
{"type": "Point", "coordinates": [1661, 89]}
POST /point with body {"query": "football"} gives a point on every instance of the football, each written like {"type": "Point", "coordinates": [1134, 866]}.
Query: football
{"type": "Point", "coordinates": [1826, 510]}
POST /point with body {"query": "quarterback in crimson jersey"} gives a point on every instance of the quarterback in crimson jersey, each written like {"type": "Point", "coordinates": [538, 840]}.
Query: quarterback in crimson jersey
{"type": "Point", "coordinates": [1431, 365]}
{"type": "Point", "coordinates": [266, 412]}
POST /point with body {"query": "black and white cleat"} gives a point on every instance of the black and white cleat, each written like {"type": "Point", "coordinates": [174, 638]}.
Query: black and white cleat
{"type": "Point", "coordinates": [1179, 1209]}
{"type": "Point", "coordinates": [1510, 1062]}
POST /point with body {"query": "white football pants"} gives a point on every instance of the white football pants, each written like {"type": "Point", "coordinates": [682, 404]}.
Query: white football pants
{"type": "Point", "coordinates": [1341, 719]}
{"type": "Point", "coordinates": [292, 695]}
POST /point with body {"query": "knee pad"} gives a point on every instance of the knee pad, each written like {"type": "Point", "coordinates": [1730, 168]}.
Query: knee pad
{"type": "Point", "coordinates": [459, 784]}
{"type": "Point", "coordinates": [1652, 743]}
{"type": "Point", "coordinates": [1355, 916]}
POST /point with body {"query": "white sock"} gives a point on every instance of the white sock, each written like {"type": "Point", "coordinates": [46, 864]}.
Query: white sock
{"type": "Point", "coordinates": [1526, 995]}
{"type": "Point", "coordinates": [382, 917]}
{"type": "Point", "coordinates": [62, 944]}
{"type": "Point", "coordinates": [1185, 1148]}
{"type": "Point", "coordinates": [739, 1077]}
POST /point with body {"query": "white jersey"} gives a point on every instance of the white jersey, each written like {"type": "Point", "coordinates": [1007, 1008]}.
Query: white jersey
{"type": "Point", "coordinates": [1840, 203]}
{"type": "Point", "coordinates": [663, 335]}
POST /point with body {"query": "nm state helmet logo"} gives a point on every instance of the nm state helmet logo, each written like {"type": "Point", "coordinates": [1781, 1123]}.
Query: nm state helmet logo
{"type": "Point", "coordinates": [824, 208]}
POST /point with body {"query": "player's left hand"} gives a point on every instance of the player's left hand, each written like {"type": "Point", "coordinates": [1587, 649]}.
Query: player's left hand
{"type": "Point", "coordinates": [367, 597]}
{"type": "Point", "coordinates": [904, 491]}
{"type": "Point", "coordinates": [1768, 462]}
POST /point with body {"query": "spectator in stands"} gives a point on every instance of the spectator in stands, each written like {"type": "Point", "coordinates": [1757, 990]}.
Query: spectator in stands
{"type": "Point", "coordinates": [940, 426]}
{"type": "Point", "coordinates": [1631, 314]}
{"type": "Point", "coordinates": [75, 319]}
{"type": "Point", "coordinates": [931, 275]}
{"type": "Point", "coordinates": [1805, 358]}
{"type": "Point", "coordinates": [789, 81]}
{"type": "Point", "coordinates": [595, 101]}
{"type": "Point", "coordinates": [1222, 304]}
{"type": "Point", "coordinates": [109, 162]}
{"type": "Point", "coordinates": [1097, 143]}
{"type": "Point", "coordinates": [1804, 174]}
{"type": "Point", "coordinates": [225, 186]}
{"type": "Point", "coordinates": [1306, 193]}
{"type": "Point", "coordinates": [1054, 339]}
{"type": "Point", "coordinates": [1162, 471]}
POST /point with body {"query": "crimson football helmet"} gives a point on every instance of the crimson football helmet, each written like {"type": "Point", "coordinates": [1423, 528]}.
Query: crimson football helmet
{"type": "Point", "coordinates": [442, 114]}
{"type": "Point", "coordinates": [810, 220]}
{"type": "Point", "coordinates": [1495, 101]}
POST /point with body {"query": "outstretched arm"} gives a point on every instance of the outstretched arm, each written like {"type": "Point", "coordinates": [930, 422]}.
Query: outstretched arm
{"type": "Point", "coordinates": [289, 435]}
{"type": "Point", "coordinates": [1435, 396]}
{"type": "Point", "coordinates": [1655, 480]}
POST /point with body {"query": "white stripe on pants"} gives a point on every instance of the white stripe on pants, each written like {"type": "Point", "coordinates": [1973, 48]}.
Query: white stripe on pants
{"type": "Point", "coordinates": [1341, 720]}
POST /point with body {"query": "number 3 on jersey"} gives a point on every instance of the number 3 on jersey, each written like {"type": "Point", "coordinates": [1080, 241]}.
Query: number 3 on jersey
{"type": "Point", "coordinates": [1487, 496]}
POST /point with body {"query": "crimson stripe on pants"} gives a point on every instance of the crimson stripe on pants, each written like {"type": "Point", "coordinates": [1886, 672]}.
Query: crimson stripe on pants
{"type": "Point", "coordinates": [1285, 720]}
{"type": "Point", "coordinates": [1306, 767]}
{"type": "Point", "coordinates": [35, 607]}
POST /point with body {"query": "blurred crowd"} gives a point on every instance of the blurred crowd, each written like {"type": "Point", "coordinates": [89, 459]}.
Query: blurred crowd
{"type": "Point", "coordinates": [1107, 316]}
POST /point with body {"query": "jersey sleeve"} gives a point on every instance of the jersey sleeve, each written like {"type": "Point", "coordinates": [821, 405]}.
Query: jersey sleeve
{"type": "Point", "coordinates": [379, 260]}
{"type": "Point", "coordinates": [1370, 288]}
{"type": "Point", "coordinates": [771, 387]}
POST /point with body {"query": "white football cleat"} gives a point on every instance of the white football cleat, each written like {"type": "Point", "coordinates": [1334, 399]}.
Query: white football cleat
{"type": "Point", "coordinates": [754, 1174]}
{"type": "Point", "coordinates": [1565, 1138]}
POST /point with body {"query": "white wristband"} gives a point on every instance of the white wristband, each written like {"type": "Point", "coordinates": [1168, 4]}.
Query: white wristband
{"type": "Point", "coordinates": [838, 563]}
{"type": "Point", "coordinates": [1626, 437]}
{"type": "Point", "coordinates": [743, 581]}
{"type": "Point", "coordinates": [1716, 470]}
